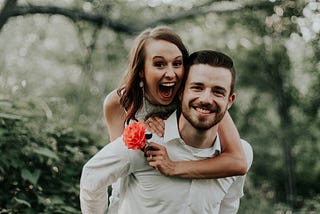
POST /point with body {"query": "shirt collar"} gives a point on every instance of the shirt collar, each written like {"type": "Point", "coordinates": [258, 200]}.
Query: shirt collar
{"type": "Point", "coordinates": [171, 132]}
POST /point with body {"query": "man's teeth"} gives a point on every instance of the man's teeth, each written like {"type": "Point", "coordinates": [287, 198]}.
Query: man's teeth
{"type": "Point", "coordinates": [202, 110]}
{"type": "Point", "coordinates": [168, 84]}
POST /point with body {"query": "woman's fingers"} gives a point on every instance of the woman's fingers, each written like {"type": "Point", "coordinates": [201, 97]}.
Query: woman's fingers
{"type": "Point", "coordinates": [155, 125]}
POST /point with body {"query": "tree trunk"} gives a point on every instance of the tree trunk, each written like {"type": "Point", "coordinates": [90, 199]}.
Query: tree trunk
{"type": "Point", "coordinates": [287, 141]}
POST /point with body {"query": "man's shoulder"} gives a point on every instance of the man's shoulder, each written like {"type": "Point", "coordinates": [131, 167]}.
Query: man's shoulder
{"type": "Point", "coordinates": [247, 148]}
{"type": "Point", "coordinates": [134, 158]}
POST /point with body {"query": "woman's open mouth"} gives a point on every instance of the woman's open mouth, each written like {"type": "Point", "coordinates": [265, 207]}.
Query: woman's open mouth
{"type": "Point", "coordinates": [166, 89]}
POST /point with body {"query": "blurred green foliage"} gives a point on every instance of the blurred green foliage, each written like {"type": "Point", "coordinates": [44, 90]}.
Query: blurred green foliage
{"type": "Point", "coordinates": [55, 73]}
{"type": "Point", "coordinates": [41, 160]}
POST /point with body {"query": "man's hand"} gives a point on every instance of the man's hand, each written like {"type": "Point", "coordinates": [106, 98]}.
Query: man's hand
{"type": "Point", "coordinates": [158, 158]}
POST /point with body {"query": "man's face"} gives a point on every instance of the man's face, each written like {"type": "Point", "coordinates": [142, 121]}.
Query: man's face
{"type": "Point", "coordinates": [205, 98]}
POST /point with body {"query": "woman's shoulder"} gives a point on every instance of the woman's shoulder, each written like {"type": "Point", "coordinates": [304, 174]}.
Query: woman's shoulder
{"type": "Point", "coordinates": [112, 100]}
{"type": "Point", "coordinates": [114, 114]}
{"type": "Point", "coordinates": [112, 108]}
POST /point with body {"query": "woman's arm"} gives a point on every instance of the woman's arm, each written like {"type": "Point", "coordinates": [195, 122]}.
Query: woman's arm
{"type": "Point", "coordinates": [114, 115]}
{"type": "Point", "coordinates": [230, 162]}
{"type": "Point", "coordinates": [232, 150]}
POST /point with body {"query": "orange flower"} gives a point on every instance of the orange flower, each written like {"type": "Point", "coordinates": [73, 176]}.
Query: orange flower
{"type": "Point", "coordinates": [134, 135]}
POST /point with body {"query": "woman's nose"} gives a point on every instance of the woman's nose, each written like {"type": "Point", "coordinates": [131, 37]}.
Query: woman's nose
{"type": "Point", "coordinates": [170, 72]}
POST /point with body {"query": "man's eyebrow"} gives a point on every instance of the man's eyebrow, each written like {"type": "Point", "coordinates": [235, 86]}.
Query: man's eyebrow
{"type": "Point", "coordinates": [196, 83]}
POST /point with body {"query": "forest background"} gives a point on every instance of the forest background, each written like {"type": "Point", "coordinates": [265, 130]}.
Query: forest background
{"type": "Point", "coordinates": [59, 59]}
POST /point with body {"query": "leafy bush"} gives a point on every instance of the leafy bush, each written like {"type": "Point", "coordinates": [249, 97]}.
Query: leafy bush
{"type": "Point", "coordinates": [41, 161]}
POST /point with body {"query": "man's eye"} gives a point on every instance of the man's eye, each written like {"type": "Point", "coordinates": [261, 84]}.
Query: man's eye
{"type": "Point", "coordinates": [196, 88]}
{"type": "Point", "coordinates": [219, 93]}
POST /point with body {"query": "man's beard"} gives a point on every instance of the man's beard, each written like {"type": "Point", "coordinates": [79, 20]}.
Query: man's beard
{"type": "Point", "coordinates": [203, 124]}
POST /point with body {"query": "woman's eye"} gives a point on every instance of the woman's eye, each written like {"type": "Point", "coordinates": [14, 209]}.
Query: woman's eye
{"type": "Point", "coordinates": [159, 64]}
{"type": "Point", "coordinates": [177, 63]}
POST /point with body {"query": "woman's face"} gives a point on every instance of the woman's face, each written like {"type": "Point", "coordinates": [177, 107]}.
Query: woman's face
{"type": "Point", "coordinates": [163, 71]}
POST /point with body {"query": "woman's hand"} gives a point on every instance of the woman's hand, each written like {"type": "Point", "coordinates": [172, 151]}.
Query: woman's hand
{"type": "Point", "coordinates": [155, 125]}
{"type": "Point", "coordinates": [158, 158]}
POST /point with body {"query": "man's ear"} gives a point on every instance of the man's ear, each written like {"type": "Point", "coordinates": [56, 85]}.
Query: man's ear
{"type": "Point", "coordinates": [231, 100]}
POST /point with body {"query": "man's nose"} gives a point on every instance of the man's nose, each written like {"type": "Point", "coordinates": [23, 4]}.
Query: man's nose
{"type": "Point", "coordinates": [206, 96]}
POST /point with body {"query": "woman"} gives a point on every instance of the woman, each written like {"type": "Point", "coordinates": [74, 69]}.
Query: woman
{"type": "Point", "coordinates": [154, 74]}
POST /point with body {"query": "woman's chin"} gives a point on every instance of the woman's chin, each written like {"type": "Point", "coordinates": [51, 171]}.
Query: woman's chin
{"type": "Point", "coordinates": [165, 100]}
{"type": "Point", "coordinates": [161, 99]}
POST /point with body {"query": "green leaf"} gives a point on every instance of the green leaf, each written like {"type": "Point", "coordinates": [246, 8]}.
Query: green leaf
{"type": "Point", "coordinates": [10, 116]}
{"type": "Point", "coordinates": [23, 202]}
{"type": "Point", "coordinates": [32, 177]}
{"type": "Point", "coordinates": [46, 152]}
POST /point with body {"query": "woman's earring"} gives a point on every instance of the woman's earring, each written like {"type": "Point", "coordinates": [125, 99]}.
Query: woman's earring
{"type": "Point", "coordinates": [141, 84]}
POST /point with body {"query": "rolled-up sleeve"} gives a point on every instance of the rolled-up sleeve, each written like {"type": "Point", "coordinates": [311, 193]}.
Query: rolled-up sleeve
{"type": "Point", "coordinates": [104, 168]}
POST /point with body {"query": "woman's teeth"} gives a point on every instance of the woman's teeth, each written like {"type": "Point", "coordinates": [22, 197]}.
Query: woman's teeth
{"type": "Point", "coordinates": [168, 84]}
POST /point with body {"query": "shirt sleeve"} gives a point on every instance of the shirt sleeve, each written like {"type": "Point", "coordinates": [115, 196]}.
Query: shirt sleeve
{"type": "Point", "coordinates": [248, 152]}
{"type": "Point", "coordinates": [231, 201]}
{"type": "Point", "coordinates": [104, 168]}
{"type": "Point", "coordinates": [229, 206]}
{"type": "Point", "coordinates": [93, 202]}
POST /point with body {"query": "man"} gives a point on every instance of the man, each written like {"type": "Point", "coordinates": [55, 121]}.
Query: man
{"type": "Point", "coordinates": [189, 135]}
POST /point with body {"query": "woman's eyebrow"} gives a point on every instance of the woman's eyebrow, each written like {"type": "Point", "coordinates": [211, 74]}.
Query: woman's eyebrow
{"type": "Point", "coordinates": [162, 57]}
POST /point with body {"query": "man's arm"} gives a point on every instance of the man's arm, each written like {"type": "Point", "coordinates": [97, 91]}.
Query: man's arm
{"type": "Point", "coordinates": [229, 206]}
{"type": "Point", "coordinates": [104, 168]}
{"type": "Point", "coordinates": [93, 202]}
{"type": "Point", "coordinates": [231, 201]}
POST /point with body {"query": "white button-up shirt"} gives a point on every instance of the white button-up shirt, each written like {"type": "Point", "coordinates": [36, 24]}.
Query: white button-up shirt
{"type": "Point", "coordinates": [144, 190]}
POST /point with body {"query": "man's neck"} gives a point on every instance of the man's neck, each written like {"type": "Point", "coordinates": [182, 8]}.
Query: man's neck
{"type": "Point", "coordinates": [195, 137]}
